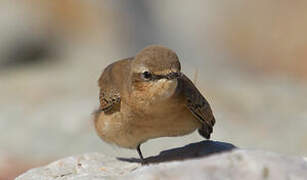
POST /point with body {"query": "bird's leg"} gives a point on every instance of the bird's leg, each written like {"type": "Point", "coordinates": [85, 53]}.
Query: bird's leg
{"type": "Point", "coordinates": [143, 162]}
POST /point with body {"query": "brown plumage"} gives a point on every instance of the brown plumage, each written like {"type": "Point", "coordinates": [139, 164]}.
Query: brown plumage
{"type": "Point", "coordinates": [147, 97]}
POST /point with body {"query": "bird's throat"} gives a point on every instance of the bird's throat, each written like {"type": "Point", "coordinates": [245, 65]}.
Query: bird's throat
{"type": "Point", "coordinates": [151, 94]}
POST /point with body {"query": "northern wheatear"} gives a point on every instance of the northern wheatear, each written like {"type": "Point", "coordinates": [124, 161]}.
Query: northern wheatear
{"type": "Point", "coordinates": [147, 97]}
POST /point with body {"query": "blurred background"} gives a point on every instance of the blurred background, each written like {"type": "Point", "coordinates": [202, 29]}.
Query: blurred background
{"type": "Point", "coordinates": [249, 58]}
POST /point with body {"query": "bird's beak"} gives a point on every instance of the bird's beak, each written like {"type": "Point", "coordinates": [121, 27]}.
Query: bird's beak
{"type": "Point", "coordinates": [173, 75]}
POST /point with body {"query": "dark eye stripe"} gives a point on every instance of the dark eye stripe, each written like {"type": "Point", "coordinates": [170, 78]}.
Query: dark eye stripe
{"type": "Point", "coordinates": [153, 77]}
{"type": "Point", "coordinates": [157, 77]}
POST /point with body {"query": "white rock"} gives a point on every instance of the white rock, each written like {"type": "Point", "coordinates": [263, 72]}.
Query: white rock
{"type": "Point", "coordinates": [81, 167]}
{"type": "Point", "coordinates": [238, 164]}
{"type": "Point", "coordinates": [224, 164]}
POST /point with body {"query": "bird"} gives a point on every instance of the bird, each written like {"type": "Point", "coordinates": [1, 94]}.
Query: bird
{"type": "Point", "coordinates": [147, 96]}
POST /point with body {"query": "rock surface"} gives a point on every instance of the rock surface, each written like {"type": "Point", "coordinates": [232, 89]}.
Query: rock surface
{"type": "Point", "coordinates": [224, 162]}
{"type": "Point", "coordinates": [86, 166]}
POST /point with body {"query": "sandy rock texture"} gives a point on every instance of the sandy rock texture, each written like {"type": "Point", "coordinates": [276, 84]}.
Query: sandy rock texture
{"type": "Point", "coordinates": [86, 166]}
{"type": "Point", "coordinates": [203, 160]}
{"type": "Point", "coordinates": [239, 164]}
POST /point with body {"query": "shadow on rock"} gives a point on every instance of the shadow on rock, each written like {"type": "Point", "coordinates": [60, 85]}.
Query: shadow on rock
{"type": "Point", "coordinates": [193, 150]}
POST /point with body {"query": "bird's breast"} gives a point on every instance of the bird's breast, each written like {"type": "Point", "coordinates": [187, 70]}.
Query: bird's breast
{"type": "Point", "coordinates": [130, 127]}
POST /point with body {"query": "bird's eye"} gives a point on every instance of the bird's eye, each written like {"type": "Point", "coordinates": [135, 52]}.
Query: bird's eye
{"type": "Point", "coordinates": [146, 75]}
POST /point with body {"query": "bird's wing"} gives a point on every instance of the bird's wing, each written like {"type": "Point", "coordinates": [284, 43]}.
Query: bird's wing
{"type": "Point", "coordinates": [109, 95]}
{"type": "Point", "coordinates": [198, 105]}
{"type": "Point", "coordinates": [110, 83]}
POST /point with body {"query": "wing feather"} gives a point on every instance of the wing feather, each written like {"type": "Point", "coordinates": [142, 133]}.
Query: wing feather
{"type": "Point", "coordinates": [109, 94]}
{"type": "Point", "coordinates": [198, 105]}
{"type": "Point", "coordinates": [110, 84]}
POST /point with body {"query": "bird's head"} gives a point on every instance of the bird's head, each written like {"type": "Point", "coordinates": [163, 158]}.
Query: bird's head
{"type": "Point", "coordinates": [154, 73]}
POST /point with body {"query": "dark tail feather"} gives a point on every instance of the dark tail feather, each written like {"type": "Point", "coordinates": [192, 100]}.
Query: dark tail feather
{"type": "Point", "coordinates": [206, 130]}
{"type": "Point", "coordinates": [204, 133]}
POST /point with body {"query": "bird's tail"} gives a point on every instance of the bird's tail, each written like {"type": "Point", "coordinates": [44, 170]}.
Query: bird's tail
{"type": "Point", "coordinates": [206, 130]}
